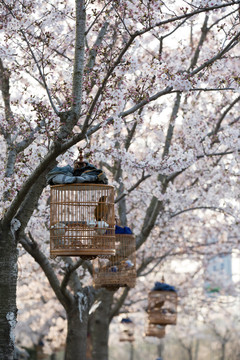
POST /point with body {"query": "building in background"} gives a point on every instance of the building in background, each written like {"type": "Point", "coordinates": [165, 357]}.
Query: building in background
{"type": "Point", "coordinates": [219, 272]}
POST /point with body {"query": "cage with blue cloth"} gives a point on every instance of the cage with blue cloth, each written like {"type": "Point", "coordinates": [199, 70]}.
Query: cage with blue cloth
{"type": "Point", "coordinates": [118, 270]}
{"type": "Point", "coordinates": [162, 304]}
{"type": "Point", "coordinates": [126, 330]}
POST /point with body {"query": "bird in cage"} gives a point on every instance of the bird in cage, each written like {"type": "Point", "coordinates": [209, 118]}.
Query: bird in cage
{"type": "Point", "coordinates": [113, 269]}
{"type": "Point", "coordinates": [101, 210]}
{"type": "Point", "coordinates": [59, 229]}
{"type": "Point", "coordinates": [158, 305]}
{"type": "Point", "coordinates": [126, 264]}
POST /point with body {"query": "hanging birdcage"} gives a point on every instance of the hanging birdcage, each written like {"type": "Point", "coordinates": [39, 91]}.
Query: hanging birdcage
{"type": "Point", "coordinates": [126, 330]}
{"type": "Point", "coordinates": [155, 330]}
{"type": "Point", "coordinates": [162, 305]}
{"type": "Point", "coordinates": [82, 220]}
{"type": "Point", "coordinates": [119, 270]}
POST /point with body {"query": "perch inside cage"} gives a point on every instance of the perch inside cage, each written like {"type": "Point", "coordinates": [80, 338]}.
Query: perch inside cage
{"type": "Point", "coordinates": [82, 220]}
{"type": "Point", "coordinates": [126, 330]}
{"type": "Point", "coordinates": [155, 330]}
{"type": "Point", "coordinates": [162, 305]}
{"type": "Point", "coordinates": [118, 270]}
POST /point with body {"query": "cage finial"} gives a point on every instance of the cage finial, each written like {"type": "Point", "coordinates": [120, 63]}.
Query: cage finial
{"type": "Point", "coordinates": [80, 163]}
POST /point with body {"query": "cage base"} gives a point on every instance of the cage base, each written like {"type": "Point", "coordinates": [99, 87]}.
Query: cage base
{"type": "Point", "coordinates": [161, 321]}
{"type": "Point", "coordinates": [155, 334]}
{"type": "Point", "coordinates": [81, 252]}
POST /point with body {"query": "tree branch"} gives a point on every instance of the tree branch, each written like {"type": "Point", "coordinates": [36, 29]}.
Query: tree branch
{"type": "Point", "coordinates": [229, 46]}
{"type": "Point", "coordinates": [5, 88]}
{"type": "Point", "coordinates": [93, 51]}
{"type": "Point", "coordinates": [119, 303]}
{"type": "Point", "coordinates": [32, 248]}
{"type": "Point", "coordinates": [35, 60]}
{"type": "Point", "coordinates": [99, 14]}
{"type": "Point", "coordinates": [189, 15]}
{"type": "Point", "coordinates": [200, 43]}
{"type": "Point", "coordinates": [214, 208]}
{"type": "Point", "coordinates": [143, 178]}
{"type": "Point", "coordinates": [217, 127]}
{"type": "Point", "coordinates": [78, 58]}
{"type": "Point", "coordinates": [105, 80]}
{"type": "Point", "coordinates": [71, 273]}
{"type": "Point", "coordinates": [171, 125]}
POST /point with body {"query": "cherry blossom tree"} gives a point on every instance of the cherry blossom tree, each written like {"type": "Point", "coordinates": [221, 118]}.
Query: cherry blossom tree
{"type": "Point", "coordinates": [154, 87]}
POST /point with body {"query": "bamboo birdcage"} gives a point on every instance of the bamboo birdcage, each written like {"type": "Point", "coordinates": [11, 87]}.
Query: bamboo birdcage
{"type": "Point", "coordinates": [119, 270]}
{"type": "Point", "coordinates": [155, 330]}
{"type": "Point", "coordinates": [82, 220]}
{"type": "Point", "coordinates": [162, 307]}
{"type": "Point", "coordinates": [126, 330]}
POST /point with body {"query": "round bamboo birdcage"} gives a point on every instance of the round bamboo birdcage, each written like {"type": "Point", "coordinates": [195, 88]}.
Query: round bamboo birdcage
{"type": "Point", "coordinates": [155, 330]}
{"type": "Point", "coordinates": [119, 270]}
{"type": "Point", "coordinates": [126, 330]}
{"type": "Point", "coordinates": [162, 307]}
{"type": "Point", "coordinates": [82, 220]}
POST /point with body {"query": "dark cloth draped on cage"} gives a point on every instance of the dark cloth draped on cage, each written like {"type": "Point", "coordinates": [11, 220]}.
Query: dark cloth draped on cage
{"type": "Point", "coordinates": [159, 286]}
{"type": "Point", "coordinates": [68, 175]}
{"type": "Point", "coordinates": [122, 230]}
{"type": "Point", "coordinates": [126, 321]}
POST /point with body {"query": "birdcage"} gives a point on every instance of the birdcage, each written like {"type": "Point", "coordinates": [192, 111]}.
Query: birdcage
{"type": "Point", "coordinates": [162, 307]}
{"type": "Point", "coordinates": [82, 220]}
{"type": "Point", "coordinates": [119, 270]}
{"type": "Point", "coordinates": [126, 330]}
{"type": "Point", "coordinates": [155, 330]}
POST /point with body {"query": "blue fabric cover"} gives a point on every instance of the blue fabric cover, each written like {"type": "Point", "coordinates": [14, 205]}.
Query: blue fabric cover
{"type": "Point", "coordinates": [122, 230]}
{"type": "Point", "coordinates": [126, 321]}
{"type": "Point", "coordinates": [67, 175]}
{"type": "Point", "coordinates": [113, 269]}
{"type": "Point", "coordinates": [163, 287]}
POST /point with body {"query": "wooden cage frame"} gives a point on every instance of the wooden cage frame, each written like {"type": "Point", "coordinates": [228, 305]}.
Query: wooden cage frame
{"type": "Point", "coordinates": [82, 220]}
{"type": "Point", "coordinates": [119, 270]}
{"type": "Point", "coordinates": [162, 307]}
{"type": "Point", "coordinates": [155, 330]}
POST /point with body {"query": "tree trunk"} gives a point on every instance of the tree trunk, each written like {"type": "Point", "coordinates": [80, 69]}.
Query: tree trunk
{"type": "Point", "coordinates": [131, 351]}
{"type": "Point", "coordinates": [223, 348]}
{"type": "Point", "coordinates": [100, 326]}
{"type": "Point", "coordinates": [189, 350]}
{"type": "Point", "coordinates": [196, 349]}
{"type": "Point", "coordinates": [8, 284]}
{"type": "Point", "coordinates": [76, 344]}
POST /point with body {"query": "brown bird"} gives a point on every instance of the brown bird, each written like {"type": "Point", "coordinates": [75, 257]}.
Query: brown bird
{"type": "Point", "coordinates": [101, 210]}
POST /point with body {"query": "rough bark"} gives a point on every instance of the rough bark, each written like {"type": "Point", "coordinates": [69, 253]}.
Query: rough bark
{"type": "Point", "coordinates": [8, 280]}
{"type": "Point", "coordinates": [76, 345]}
{"type": "Point", "coordinates": [79, 58]}
{"type": "Point", "coordinates": [76, 301]}
{"type": "Point", "coordinates": [100, 326]}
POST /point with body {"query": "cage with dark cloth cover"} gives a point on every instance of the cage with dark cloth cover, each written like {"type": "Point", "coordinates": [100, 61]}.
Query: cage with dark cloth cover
{"type": "Point", "coordinates": [162, 304]}
{"type": "Point", "coordinates": [126, 330]}
{"type": "Point", "coordinates": [118, 270]}
{"type": "Point", "coordinates": [82, 220]}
